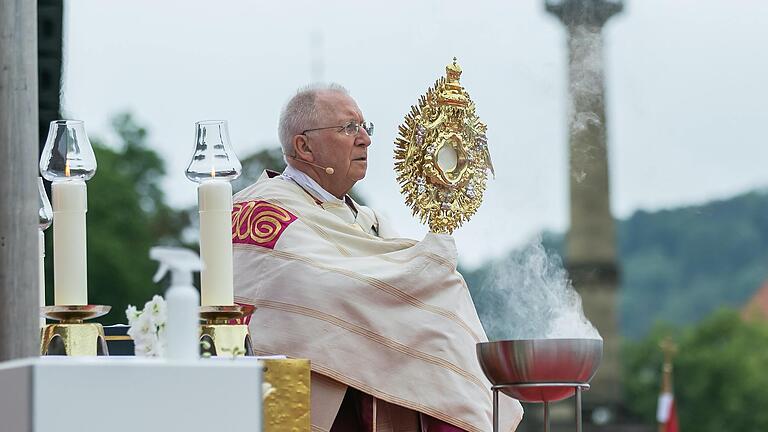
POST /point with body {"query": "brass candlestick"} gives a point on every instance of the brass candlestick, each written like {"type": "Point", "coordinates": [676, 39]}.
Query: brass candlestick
{"type": "Point", "coordinates": [223, 330]}
{"type": "Point", "coordinates": [71, 336]}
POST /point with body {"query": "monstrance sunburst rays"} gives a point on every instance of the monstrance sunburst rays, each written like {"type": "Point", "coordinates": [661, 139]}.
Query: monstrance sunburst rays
{"type": "Point", "coordinates": [441, 155]}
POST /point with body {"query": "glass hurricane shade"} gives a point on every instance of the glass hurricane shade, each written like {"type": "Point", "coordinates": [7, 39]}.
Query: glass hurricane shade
{"type": "Point", "coordinates": [45, 212]}
{"type": "Point", "coordinates": [67, 154]}
{"type": "Point", "coordinates": [213, 157]}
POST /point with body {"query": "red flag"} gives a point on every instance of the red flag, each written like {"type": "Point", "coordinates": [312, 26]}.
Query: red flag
{"type": "Point", "coordinates": [671, 425]}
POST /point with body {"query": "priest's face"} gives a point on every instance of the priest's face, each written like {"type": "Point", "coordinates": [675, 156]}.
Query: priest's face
{"type": "Point", "coordinates": [344, 151]}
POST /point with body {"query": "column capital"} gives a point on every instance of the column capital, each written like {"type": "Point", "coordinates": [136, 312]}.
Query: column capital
{"type": "Point", "coordinates": [574, 13]}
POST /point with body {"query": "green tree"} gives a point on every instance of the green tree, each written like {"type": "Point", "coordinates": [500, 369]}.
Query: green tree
{"type": "Point", "coordinates": [253, 165]}
{"type": "Point", "coordinates": [127, 215]}
{"type": "Point", "coordinates": [719, 374]}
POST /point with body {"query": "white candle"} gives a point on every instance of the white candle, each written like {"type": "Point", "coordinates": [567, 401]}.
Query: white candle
{"type": "Point", "coordinates": [215, 205]}
{"type": "Point", "coordinates": [41, 252]}
{"type": "Point", "coordinates": [70, 285]}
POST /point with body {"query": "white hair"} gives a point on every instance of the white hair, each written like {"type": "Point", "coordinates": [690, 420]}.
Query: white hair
{"type": "Point", "coordinates": [302, 113]}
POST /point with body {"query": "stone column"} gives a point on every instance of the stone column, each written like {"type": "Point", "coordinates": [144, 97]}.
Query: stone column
{"type": "Point", "coordinates": [591, 239]}
{"type": "Point", "coordinates": [19, 324]}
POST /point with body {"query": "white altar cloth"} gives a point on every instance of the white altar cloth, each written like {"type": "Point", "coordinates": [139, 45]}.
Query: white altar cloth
{"type": "Point", "coordinates": [128, 394]}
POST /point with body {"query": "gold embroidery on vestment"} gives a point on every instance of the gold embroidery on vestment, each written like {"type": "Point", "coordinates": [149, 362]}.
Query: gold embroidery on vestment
{"type": "Point", "coordinates": [268, 224]}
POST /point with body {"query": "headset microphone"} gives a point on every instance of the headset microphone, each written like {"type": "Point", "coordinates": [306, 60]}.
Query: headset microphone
{"type": "Point", "coordinates": [328, 170]}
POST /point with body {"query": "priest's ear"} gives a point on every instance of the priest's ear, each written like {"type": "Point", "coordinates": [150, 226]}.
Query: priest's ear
{"type": "Point", "coordinates": [301, 148]}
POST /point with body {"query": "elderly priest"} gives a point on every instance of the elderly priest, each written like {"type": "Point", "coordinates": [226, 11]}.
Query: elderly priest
{"type": "Point", "coordinates": [387, 322]}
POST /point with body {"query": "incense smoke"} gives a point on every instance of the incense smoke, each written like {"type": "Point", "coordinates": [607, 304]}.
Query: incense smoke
{"type": "Point", "coordinates": [586, 111]}
{"type": "Point", "coordinates": [529, 296]}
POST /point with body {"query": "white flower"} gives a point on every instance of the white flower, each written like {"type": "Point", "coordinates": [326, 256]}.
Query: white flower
{"type": "Point", "coordinates": [140, 350]}
{"type": "Point", "coordinates": [157, 310]}
{"type": "Point", "coordinates": [131, 313]}
{"type": "Point", "coordinates": [160, 349]}
{"type": "Point", "coordinates": [162, 340]}
{"type": "Point", "coordinates": [142, 330]}
{"type": "Point", "coordinates": [147, 327]}
{"type": "Point", "coordinates": [153, 347]}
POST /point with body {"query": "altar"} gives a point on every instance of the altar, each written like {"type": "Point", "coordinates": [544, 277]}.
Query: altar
{"type": "Point", "coordinates": [67, 394]}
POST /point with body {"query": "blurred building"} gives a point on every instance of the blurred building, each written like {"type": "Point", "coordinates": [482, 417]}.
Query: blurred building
{"type": "Point", "coordinates": [757, 306]}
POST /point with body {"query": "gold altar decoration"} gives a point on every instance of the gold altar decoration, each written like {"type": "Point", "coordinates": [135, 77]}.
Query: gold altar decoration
{"type": "Point", "coordinates": [286, 409]}
{"type": "Point", "coordinates": [223, 332]}
{"type": "Point", "coordinates": [441, 155]}
{"type": "Point", "coordinates": [71, 336]}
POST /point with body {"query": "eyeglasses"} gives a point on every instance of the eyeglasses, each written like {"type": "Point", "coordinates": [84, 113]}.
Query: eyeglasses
{"type": "Point", "coordinates": [349, 129]}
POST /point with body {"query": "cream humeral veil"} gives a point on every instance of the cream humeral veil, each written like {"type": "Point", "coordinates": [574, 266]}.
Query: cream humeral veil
{"type": "Point", "coordinates": [391, 317]}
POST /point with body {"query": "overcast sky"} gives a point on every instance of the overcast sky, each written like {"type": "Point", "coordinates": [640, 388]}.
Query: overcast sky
{"type": "Point", "coordinates": [687, 83]}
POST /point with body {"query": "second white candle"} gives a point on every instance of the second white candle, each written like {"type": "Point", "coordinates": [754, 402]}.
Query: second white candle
{"type": "Point", "coordinates": [70, 267]}
{"type": "Point", "coordinates": [215, 205]}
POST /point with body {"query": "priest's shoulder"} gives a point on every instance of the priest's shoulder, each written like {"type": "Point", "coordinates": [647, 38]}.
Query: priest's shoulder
{"type": "Point", "coordinates": [269, 187]}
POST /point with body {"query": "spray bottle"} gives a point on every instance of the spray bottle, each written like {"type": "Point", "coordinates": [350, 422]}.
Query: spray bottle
{"type": "Point", "coordinates": [183, 324]}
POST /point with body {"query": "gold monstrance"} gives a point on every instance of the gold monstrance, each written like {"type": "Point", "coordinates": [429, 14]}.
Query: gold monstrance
{"type": "Point", "coordinates": [441, 155]}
